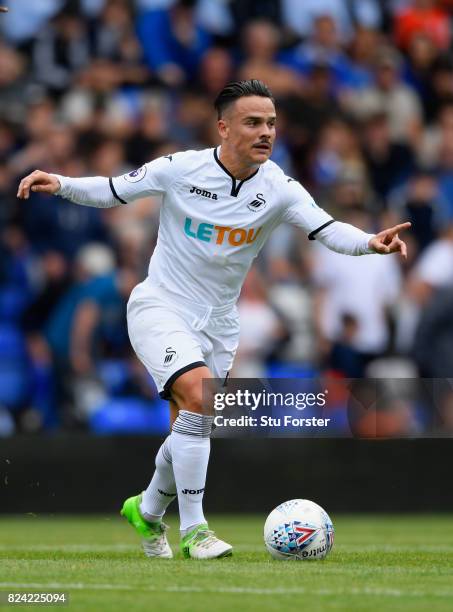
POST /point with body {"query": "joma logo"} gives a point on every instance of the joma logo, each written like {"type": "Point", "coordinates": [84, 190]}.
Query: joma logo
{"type": "Point", "coordinates": [203, 192]}
{"type": "Point", "coordinates": [192, 491]}
{"type": "Point", "coordinates": [166, 494]}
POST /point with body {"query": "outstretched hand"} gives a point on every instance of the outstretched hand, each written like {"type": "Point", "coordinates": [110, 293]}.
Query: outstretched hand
{"type": "Point", "coordinates": [388, 241]}
{"type": "Point", "coordinates": [38, 181]}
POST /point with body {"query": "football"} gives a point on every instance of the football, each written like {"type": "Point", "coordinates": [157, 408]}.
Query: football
{"type": "Point", "coordinates": [298, 529]}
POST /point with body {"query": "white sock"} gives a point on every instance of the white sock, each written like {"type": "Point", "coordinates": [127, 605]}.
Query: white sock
{"type": "Point", "coordinates": [162, 488]}
{"type": "Point", "coordinates": [190, 444]}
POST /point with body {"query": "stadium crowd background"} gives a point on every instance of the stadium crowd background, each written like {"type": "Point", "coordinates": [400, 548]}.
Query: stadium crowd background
{"type": "Point", "coordinates": [364, 90]}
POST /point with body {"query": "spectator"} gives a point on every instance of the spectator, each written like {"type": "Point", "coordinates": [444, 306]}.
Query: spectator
{"type": "Point", "coordinates": [65, 228]}
{"type": "Point", "coordinates": [25, 18]}
{"type": "Point", "coordinates": [113, 40]}
{"type": "Point", "coordinates": [173, 43]}
{"type": "Point", "coordinates": [434, 269]}
{"type": "Point", "coordinates": [363, 290]}
{"type": "Point", "coordinates": [433, 343]}
{"type": "Point", "coordinates": [422, 203]}
{"type": "Point", "coordinates": [433, 272]}
{"type": "Point", "coordinates": [244, 11]}
{"type": "Point", "coordinates": [93, 262]}
{"type": "Point", "coordinates": [423, 17]}
{"type": "Point", "coordinates": [261, 328]}
{"type": "Point", "coordinates": [41, 114]}
{"type": "Point", "coordinates": [306, 116]}
{"type": "Point", "coordinates": [96, 104]}
{"type": "Point", "coordinates": [60, 50]}
{"type": "Point", "coordinates": [342, 357]}
{"type": "Point", "coordinates": [323, 47]}
{"type": "Point", "coordinates": [97, 329]}
{"type": "Point", "coordinates": [389, 164]}
{"type": "Point", "coordinates": [260, 41]}
{"type": "Point", "coordinates": [53, 282]}
{"type": "Point", "coordinates": [445, 161]}
{"type": "Point", "coordinates": [191, 117]}
{"type": "Point", "coordinates": [361, 52]}
{"type": "Point", "coordinates": [418, 70]}
{"type": "Point", "coordinates": [15, 86]}
{"type": "Point", "coordinates": [441, 86]}
{"type": "Point", "coordinates": [365, 12]}
{"type": "Point", "coordinates": [108, 159]}
{"type": "Point", "coordinates": [338, 154]}
{"type": "Point", "coordinates": [150, 130]}
{"type": "Point", "coordinates": [216, 70]}
{"type": "Point", "coordinates": [391, 96]}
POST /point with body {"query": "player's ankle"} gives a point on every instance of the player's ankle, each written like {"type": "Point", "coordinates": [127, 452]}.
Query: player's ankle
{"type": "Point", "coordinates": [151, 519]}
{"type": "Point", "coordinates": [185, 532]}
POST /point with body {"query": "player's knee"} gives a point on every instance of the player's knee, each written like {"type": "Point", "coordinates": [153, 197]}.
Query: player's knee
{"type": "Point", "coordinates": [190, 398]}
{"type": "Point", "coordinates": [188, 391]}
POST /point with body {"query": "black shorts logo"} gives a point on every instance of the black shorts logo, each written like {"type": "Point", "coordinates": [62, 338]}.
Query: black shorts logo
{"type": "Point", "coordinates": [170, 356]}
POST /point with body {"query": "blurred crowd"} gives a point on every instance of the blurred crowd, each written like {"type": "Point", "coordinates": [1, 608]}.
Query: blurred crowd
{"type": "Point", "coordinates": [364, 92]}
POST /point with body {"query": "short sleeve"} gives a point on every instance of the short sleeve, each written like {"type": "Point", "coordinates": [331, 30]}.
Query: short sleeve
{"type": "Point", "coordinates": [300, 209]}
{"type": "Point", "coordinates": [154, 178]}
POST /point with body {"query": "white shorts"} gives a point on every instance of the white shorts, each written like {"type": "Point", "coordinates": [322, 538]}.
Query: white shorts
{"type": "Point", "coordinates": [172, 335]}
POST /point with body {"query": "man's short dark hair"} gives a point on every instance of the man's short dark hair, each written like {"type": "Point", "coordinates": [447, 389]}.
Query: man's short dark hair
{"type": "Point", "coordinates": [239, 89]}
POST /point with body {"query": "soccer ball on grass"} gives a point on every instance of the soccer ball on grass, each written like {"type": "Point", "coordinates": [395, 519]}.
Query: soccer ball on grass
{"type": "Point", "coordinates": [298, 529]}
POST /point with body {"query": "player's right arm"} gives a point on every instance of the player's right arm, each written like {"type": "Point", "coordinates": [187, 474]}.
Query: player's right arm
{"type": "Point", "coordinates": [102, 192]}
{"type": "Point", "coordinates": [38, 181]}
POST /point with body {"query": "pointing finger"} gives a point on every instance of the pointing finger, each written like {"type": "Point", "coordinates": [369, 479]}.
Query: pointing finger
{"type": "Point", "coordinates": [399, 228]}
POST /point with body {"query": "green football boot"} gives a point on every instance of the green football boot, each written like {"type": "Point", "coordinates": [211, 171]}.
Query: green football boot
{"type": "Point", "coordinates": [201, 543]}
{"type": "Point", "coordinates": [154, 536]}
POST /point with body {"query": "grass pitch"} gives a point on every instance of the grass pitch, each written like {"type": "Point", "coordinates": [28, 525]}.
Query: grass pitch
{"type": "Point", "coordinates": [378, 563]}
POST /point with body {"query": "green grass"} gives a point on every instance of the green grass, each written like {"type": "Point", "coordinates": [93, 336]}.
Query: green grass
{"type": "Point", "coordinates": [378, 563]}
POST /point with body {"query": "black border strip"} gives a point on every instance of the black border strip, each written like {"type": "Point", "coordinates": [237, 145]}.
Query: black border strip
{"type": "Point", "coordinates": [166, 393]}
{"type": "Point", "coordinates": [311, 235]}
{"type": "Point", "coordinates": [234, 186]}
{"type": "Point", "coordinates": [115, 195]}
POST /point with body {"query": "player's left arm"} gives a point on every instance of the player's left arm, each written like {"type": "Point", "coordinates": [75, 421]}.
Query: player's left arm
{"type": "Point", "coordinates": [350, 240]}
{"type": "Point", "coordinates": [303, 212]}
{"type": "Point", "coordinates": [388, 241]}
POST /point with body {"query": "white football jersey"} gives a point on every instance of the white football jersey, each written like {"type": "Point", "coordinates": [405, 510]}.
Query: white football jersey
{"type": "Point", "coordinates": [212, 225]}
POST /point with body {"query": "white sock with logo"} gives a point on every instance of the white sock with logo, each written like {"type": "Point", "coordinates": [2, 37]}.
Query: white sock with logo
{"type": "Point", "coordinates": [162, 488]}
{"type": "Point", "coordinates": [190, 445]}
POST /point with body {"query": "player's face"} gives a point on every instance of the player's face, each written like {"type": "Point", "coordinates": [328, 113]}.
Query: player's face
{"type": "Point", "coordinates": [248, 127]}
